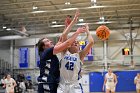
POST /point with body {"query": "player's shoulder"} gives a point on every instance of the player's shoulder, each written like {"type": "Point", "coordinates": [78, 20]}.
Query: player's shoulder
{"type": "Point", "coordinates": [12, 79]}
{"type": "Point", "coordinates": [47, 50]}
{"type": "Point", "coordinates": [136, 77]}
{"type": "Point", "coordinates": [106, 74]}
{"type": "Point", "coordinates": [114, 74]}
{"type": "Point", "coordinates": [5, 79]}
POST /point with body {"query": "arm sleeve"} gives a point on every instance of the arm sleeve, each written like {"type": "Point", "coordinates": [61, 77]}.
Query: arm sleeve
{"type": "Point", "coordinates": [135, 78]}
{"type": "Point", "coordinates": [47, 54]}
{"type": "Point", "coordinates": [13, 80]}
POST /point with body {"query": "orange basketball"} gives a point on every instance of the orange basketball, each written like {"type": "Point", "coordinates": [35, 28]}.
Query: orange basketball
{"type": "Point", "coordinates": [103, 32]}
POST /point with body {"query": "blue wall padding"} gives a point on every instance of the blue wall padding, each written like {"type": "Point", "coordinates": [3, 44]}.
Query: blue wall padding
{"type": "Point", "coordinates": [125, 81]}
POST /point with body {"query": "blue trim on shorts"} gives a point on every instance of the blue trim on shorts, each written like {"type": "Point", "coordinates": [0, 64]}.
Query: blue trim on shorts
{"type": "Point", "coordinates": [79, 76]}
{"type": "Point", "coordinates": [81, 87]}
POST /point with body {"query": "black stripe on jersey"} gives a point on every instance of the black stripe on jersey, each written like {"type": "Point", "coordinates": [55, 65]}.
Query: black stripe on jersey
{"type": "Point", "coordinates": [48, 61]}
{"type": "Point", "coordinates": [47, 68]}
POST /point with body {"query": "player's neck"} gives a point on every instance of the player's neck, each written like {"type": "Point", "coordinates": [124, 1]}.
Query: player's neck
{"type": "Point", "coordinates": [109, 73]}
{"type": "Point", "coordinates": [72, 51]}
{"type": "Point", "coordinates": [8, 78]}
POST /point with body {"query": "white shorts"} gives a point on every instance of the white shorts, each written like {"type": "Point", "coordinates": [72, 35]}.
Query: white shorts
{"type": "Point", "coordinates": [10, 89]}
{"type": "Point", "coordinates": [69, 88]}
{"type": "Point", "coordinates": [138, 86]}
{"type": "Point", "coordinates": [111, 87]}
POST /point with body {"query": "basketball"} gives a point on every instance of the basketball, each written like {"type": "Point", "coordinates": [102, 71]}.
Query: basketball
{"type": "Point", "coordinates": [103, 32]}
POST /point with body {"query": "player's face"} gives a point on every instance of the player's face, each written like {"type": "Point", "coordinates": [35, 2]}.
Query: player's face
{"type": "Point", "coordinates": [8, 76]}
{"type": "Point", "coordinates": [47, 43]}
{"type": "Point", "coordinates": [109, 71]}
{"type": "Point", "coordinates": [74, 47]}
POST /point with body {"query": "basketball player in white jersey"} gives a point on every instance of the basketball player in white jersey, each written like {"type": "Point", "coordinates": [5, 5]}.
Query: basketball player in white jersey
{"type": "Point", "coordinates": [137, 82]}
{"type": "Point", "coordinates": [9, 84]}
{"type": "Point", "coordinates": [110, 81]}
{"type": "Point", "coordinates": [71, 62]}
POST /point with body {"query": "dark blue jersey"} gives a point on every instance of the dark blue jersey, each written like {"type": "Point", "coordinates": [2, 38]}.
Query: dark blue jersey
{"type": "Point", "coordinates": [47, 57]}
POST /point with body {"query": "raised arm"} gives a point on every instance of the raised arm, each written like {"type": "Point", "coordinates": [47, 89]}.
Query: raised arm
{"type": "Point", "coordinates": [85, 51]}
{"type": "Point", "coordinates": [64, 35]}
{"type": "Point", "coordinates": [62, 46]}
{"type": "Point", "coordinates": [67, 30]}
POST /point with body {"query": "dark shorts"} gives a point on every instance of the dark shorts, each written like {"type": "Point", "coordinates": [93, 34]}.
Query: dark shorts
{"type": "Point", "coordinates": [52, 87]}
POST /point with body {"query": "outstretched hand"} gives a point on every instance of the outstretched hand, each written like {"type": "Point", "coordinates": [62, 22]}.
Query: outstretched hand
{"type": "Point", "coordinates": [76, 15]}
{"type": "Point", "coordinates": [68, 19]}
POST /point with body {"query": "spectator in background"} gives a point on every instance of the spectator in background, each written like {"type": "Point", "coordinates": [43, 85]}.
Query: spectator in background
{"type": "Point", "coordinates": [137, 82]}
{"type": "Point", "coordinates": [9, 84]}
{"type": "Point", "coordinates": [29, 86]}
{"type": "Point", "coordinates": [2, 80]}
{"type": "Point", "coordinates": [21, 81]}
{"type": "Point", "coordinates": [20, 77]}
{"type": "Point", "coordinates": [17, 88]}
{"type": "Point", "coordinates": [22, 86]}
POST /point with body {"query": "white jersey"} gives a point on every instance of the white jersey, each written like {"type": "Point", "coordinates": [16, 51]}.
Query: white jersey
{"type": "Point", "coordinates": [137, 82]}
{"type": "Point", "coordinates": [70, 68]}
{"type": "Point", "coordinates": [110, 78]}
{"type": "Point", "coordinates": [110, 84]}
{"type": "Point", "coordinates": [9, 85]}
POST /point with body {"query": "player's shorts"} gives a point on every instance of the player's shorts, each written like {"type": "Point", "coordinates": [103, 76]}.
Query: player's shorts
{"type": "Point", "coordinates": [10, 89]}
{"type": "Point", "coordinates": [138, 86]}
{"type": "Point", "coordinates": [70, 88]}
{"type": "Point", "coordinates": [111, 87]}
